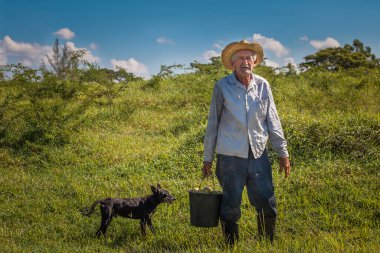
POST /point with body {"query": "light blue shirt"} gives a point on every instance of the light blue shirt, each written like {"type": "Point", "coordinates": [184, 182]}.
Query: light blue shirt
{"type": "Point", "coordinates": [240, 117]}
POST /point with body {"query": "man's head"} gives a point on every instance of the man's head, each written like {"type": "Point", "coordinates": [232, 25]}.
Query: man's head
{"type": "Point", "coordinates": [234, 54]}
{"type": "Point", "coordinates": [244, 61]}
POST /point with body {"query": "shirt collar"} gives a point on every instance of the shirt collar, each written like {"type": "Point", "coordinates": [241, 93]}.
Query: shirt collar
{"type": "Point", "coordinates": [251, 85]}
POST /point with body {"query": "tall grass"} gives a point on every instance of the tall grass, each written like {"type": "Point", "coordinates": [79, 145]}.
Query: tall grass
{"type": "Point", "coordinates": [153, 132]}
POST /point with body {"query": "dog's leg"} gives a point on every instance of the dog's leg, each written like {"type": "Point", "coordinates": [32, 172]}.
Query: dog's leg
{"type": "Point", "coordinates": [149, 222]}
{"type": "Point", "coordinates": [143, 226]}
{"type": "Point", "coordinates": [106, 212]}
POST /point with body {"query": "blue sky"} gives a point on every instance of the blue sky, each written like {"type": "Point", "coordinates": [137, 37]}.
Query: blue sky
{"type": "Point", "coordinates": [142, 35]}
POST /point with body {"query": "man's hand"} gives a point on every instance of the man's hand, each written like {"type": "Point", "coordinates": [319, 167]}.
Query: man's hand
{"type": "Point", "coordinates": [285, 165]}
{"type": "Point", "coordinates": [206, 170]}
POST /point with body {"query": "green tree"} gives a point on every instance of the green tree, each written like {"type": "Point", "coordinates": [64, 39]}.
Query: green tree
{"type": "Point", "coordinates": [18, 73]}
{"type": "Point", "coordinates": [93, 73]}
{"type": "Point", "coordinates": [65, 61]}
{"type": "Point", "coordinates": [215, 67]}
{"type": "Point", "coordinates": [346, 57]}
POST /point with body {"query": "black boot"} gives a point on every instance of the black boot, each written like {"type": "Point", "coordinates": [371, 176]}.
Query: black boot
{"type": "Point", "coordinates": [266, 227]}
{"type": "Point", "coordinates": [230, 232]}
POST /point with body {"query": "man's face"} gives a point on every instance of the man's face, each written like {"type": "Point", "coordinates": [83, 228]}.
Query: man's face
{"type": "Point", "coordinates": [244, 62]}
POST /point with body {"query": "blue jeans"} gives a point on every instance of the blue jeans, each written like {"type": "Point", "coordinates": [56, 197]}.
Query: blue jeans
{"type": "Point", "coordinates": [234, 173]}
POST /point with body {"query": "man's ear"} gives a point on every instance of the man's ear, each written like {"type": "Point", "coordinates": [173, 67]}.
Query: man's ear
{"type": "Point", "coordinates": [255, 62]}
{"type": "Point", "coordinates": [232, 63]}
{"type": "Point", "coordinates": [154, 189]}
{"type": "Point", "coordinates": [158, 186]}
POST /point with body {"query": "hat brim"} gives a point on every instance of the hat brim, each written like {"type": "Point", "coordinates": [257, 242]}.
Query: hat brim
{"type": "Point", "coordinates": [233, 47]}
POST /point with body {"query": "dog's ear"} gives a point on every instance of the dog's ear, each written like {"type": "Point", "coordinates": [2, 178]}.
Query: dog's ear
{"type": "Point", "coordinates": [154, 189]}
{"type": "Point", "coordinates": [158, 186]}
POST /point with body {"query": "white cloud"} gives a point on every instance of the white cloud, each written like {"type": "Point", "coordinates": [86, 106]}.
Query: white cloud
{"type": "Point", "coordinates": [88, 56]}
{"type": "Point", "coordinates": [93, 46]}
{"type": "Point", "coordinates": [65, 33]}
{"type": "Point", "coordinates": [22, 48]}
{"type": "Point", "coordinates": [31, 54]}
{"type": "Point", "coordinates": [26, 62]}
{"type": "Point", "coordinates": [131, 65]}
{"type": "Point", "coordinates": [165, 41]}
{"type": "Point", "coordinates": [322, 44]}
{"type": "Point", "coordinates": [3, 57]}
{"type": "Point", "coordinates": [271, 44]}
{"type": "Point", "coordinates": [304, 38]}
{"type": "Point", "coordinates": [218, 45]}
{"type": "Point", "coordinates": [270, 63]}
{"type": "Point", "coordinates": [28, 53]}
{"type": "Point", "coordinates": [291, 61]}
{"type": "Point", "coordinates": [210, 53]}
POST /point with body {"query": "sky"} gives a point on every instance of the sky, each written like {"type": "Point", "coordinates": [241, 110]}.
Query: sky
{"type": "Point", "coordinates": [140, 36]}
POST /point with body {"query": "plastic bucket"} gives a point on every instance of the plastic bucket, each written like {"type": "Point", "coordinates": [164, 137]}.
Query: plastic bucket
{"type": "Point", "coordinates": [204, 208]}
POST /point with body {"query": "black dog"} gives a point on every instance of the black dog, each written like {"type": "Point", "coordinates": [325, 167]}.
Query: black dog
{"type": "Point", "coordinates": [141, 208]}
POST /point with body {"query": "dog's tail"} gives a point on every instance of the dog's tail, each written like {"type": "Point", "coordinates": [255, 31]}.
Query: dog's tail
{"type": "Point", "coordinates": [87, 212]}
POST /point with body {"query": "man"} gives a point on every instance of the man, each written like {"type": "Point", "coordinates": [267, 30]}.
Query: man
{"type": "Point", "coordinates": [242, 118]}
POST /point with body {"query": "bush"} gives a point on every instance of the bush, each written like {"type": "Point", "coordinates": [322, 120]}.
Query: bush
{"type": "Point", "coordinates": [48, 112]}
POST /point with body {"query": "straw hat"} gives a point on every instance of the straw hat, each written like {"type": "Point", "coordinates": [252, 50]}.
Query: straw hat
{"type": "Point", "coordinates": [231, 48]}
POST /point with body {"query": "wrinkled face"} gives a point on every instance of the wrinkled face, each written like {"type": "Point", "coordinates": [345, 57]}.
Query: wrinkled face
{"type": "Point", "coordinates": [244, 61]}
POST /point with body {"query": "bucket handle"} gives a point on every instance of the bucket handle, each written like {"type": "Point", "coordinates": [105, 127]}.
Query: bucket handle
{"type": "Point", "coordinates": [203, 178]}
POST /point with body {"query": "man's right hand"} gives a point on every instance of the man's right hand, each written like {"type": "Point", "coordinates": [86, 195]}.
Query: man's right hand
{"type": "Point", "coordinates": [207, 169]}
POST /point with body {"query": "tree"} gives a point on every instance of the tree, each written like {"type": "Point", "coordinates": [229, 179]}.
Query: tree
{"type": "Point", "coordinates": [18, 73]}
{"type": "Point", "coordinates": [93, 73]}
{"type": "Point", "coordinates": [215, 67]}
{"type": "Point", "coordinates": [345, 57]}
{"type": "Point", "coordinates": [65, 61]}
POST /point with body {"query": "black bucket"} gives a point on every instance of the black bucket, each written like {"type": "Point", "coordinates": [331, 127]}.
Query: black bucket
{"type": "Point", "coordinates": [205, 208]}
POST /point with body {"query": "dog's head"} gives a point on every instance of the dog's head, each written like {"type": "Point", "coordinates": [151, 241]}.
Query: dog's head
{"type": "Point", "coordinates": [162, 195]}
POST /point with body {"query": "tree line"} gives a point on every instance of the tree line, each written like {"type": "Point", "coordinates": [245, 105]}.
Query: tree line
{"type": "Point", "coordinates": [69, 64]}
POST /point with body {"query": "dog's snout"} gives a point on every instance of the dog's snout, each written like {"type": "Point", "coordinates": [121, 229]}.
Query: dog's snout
{"type": "Point", "coordinates": [170, 199]}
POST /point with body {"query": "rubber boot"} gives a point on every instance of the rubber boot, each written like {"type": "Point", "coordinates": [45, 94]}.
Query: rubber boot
{"type": "Point", "coordinates": [266, 227]}
{"type": "Point", "coordinates": [230, 232]}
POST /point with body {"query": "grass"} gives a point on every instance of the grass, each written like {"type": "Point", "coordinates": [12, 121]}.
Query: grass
{"type": "Point", "coordinates": [330, 203]}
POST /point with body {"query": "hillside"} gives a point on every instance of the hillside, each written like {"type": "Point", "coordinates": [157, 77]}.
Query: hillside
{"type": "Point", "coordinates": [65, 144]}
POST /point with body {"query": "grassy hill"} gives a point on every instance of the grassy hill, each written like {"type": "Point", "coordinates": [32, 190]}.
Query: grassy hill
{"type": "Point", "coordinates": [64, 145]}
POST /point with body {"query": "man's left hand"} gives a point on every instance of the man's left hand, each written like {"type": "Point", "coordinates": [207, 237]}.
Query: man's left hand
{"type": "Point", "coordinates": [285, 165]}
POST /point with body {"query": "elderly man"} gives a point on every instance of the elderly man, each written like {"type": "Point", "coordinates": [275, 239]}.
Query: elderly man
{"type": "Point", "coordinates": [242, 118]}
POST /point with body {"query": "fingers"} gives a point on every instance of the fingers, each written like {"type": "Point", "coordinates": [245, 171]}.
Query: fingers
{"type": "Point", "coordinates": [285, 166]}
{"type": "Point", "coordinates": [287, 171]}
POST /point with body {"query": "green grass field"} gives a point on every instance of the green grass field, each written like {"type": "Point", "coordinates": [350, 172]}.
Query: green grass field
{"type": "Point", "coordinates": [153, 134]}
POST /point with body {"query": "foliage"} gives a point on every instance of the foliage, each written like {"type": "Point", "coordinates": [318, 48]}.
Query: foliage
{"type": "Point", "coordinates": [18, 73]}
{"type": "Point", "coordinates": [64, 61]}
{"type": "Point", "coordinates": [66, 143]}
{"type": "Point", "coordinates": [49, 111]}
{"type": "Point", "coordinates": [165, 72]}
{"type": "Point", "coordinates": [346, 57]}
{"type": "Point", "coordinates": [214, 68]}
{"type": "Point", "coordinates": [93, 73]}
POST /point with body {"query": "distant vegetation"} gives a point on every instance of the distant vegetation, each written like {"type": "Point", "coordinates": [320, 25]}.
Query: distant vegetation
{"type": "Point", "coordinates": [72, 132]}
